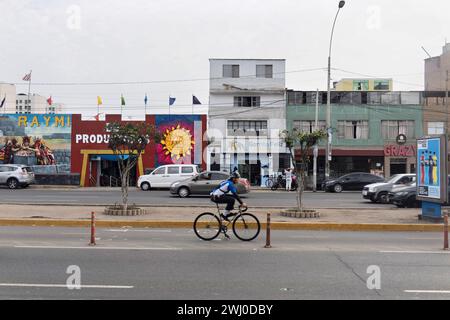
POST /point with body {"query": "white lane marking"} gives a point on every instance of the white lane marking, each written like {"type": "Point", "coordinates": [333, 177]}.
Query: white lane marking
{"type": "Point", "coordinates": [428, 291]}
{"type": "Point", "coordinates": [29, 285]}
{"type": "Point", "coordinates": [417, 252]}
{"type": "Point", "coordinates": [99, 248]}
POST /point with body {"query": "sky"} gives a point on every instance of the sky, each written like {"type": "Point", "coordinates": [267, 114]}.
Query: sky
{"type": "Point", "coordinates": [98, 41]}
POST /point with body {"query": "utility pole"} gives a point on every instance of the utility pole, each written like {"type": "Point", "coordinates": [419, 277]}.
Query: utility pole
{"type": "Point", "coordinates": [316, 147]}
{"type": "Point", "coordinates": [446, 102]}
{"type": "Point", "coordinates": [329, 123]}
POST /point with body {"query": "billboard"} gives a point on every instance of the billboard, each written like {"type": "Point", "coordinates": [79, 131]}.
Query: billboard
{"type": "Point", "coordinates": [432, 169]}
{"type": "Point", "coordinates": [39, 140]}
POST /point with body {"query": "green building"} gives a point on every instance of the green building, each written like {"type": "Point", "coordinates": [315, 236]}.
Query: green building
{"type": "Point", "coordinates": [366, 127]}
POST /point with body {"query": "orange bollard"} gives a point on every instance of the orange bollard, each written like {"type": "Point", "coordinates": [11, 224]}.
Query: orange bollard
{"type": "Point", "coordinates": [268, 240]}
{"type": "Point", "coordinates": [93, 229]}
{"type": "Point", "coordinates": [446, 231]}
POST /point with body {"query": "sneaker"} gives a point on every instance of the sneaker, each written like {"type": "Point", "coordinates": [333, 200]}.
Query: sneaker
{"type": "Point", "coordinates": [225, 218]}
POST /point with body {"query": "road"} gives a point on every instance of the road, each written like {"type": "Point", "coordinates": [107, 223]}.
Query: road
{"type": "Point", "coordinates": [173, 264]}
{"type": "Point", "coordinates": [164, 198]}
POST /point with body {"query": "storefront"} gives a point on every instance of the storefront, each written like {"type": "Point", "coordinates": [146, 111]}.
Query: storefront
{"type": "Point", "coordinates": [181, 143]}
{"type": "Point", "coordinates": [399, 159]}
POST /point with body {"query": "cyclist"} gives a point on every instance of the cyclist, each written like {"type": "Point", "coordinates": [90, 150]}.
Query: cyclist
{"type": "Point", "coordinates": [220, 195]}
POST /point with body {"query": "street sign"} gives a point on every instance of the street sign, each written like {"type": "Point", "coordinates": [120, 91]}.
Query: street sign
{"type": "Point", "coordinates": [432, 169]}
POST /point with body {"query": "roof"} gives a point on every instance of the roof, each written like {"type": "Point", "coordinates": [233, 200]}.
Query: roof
{"type": "Point", "coordinates": [229, 59]}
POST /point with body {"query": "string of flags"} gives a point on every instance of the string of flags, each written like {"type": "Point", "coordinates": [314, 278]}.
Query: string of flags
{"type": "Point", "coordinates": [172, 100]}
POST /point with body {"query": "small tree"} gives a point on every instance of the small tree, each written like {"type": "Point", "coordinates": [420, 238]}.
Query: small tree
{"type": "Point", "coordinates": [128, 142]}
{"type": "Point", "coordinates": [305, 142]}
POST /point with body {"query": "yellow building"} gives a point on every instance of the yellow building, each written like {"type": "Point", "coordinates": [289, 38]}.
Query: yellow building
{"type": "Point", "coordinates": [364, 85]}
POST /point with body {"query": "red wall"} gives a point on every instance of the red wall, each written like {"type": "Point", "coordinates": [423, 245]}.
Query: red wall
{"type": "Point", "coordinates": [80, 127]}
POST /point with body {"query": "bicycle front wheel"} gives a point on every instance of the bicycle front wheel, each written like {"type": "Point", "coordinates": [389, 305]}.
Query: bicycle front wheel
{"type": "Point", "coordinates": [246, 227]}
{"type": "Point", "coordinates": [207, 226]}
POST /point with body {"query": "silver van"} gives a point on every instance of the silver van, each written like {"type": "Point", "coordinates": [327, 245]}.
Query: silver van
{"type": "Point", "coordinates": [15, 176]}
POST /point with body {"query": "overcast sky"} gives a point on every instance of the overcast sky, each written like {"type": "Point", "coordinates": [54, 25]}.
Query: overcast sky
{"type": "Point", "coordinates": [81, 41]}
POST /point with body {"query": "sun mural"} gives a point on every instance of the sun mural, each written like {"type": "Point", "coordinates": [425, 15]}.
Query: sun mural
{"type": "Point", "coordinates": [177, 143]}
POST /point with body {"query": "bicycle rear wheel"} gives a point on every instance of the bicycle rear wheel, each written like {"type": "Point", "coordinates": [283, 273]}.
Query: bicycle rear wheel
{"type": "Point", "coordinates": [246, 227]}
{"type": "Point", "coordinates": [207, 226]}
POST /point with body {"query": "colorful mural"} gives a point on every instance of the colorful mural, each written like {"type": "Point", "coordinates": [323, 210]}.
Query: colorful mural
{"type": "Point", "coordinates": [36, 140]}
{"type": "Point", "coordinates": [178, 139]}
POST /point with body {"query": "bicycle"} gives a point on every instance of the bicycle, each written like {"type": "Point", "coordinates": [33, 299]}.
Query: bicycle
{"type": "Point", "coordinates": [208, 226]}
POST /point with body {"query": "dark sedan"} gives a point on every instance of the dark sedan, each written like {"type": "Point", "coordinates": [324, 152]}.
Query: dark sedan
{"type": "Point", "coordinates": [204, 183]}
{"type": "Point", "coordinates": [353, 181]}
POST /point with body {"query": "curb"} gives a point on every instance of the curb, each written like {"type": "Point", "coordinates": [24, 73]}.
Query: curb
{"type": "Point", "coordinates": [177, 206]}
{"type": "Point", "coordinates": [188, 224]}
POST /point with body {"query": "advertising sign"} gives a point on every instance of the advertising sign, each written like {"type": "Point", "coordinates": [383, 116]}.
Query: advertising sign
{"type": "Point", "coordinates": [432, 169]}
{"type": "Point", "coordinates": [38, 140]}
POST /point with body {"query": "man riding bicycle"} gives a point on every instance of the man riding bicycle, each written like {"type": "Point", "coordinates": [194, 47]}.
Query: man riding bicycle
{"type": "Point", "coordinates": [220, 195]}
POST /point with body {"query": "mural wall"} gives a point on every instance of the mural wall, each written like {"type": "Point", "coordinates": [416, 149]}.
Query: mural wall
{"type": "Point", "coordinates": [181, 139]}
{"type": "Point", "coordinates": [41, 141]}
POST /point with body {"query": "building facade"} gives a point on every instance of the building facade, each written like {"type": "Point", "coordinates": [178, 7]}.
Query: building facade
{"type": "Point", "coordinates": [246, 116]}
{"type": "Point", "coordinates": [67, 149]}
{"type": "Point", "coordinates": [366, 127]}
{"type": "Point", "coordinates": [36, 104]}
{"type": "Point", "coordinates": [436, 71]}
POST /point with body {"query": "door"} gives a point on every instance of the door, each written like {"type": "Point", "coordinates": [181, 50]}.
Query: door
{"type": "Point", "coordinates": [352, 182]}
{"type": "Point", "coordinates": [173, 175]}
{"type": "Point", "coordinates": [204, 184]}
{"type": "Point", "coordinates": [157, 177]}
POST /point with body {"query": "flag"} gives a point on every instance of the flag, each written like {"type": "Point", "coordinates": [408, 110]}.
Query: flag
{"type": "Point", "coordinates": [122, 101]}
{"type": "Point", "coordinates": [146, 100]}
{"type": "Point", "coordinates": [97, 117]}
{"type": "Point", "coordinates": [172, 101]}
{"type": "Point", "coordinates": [50, 101]}
{"type": "Point", "coordinates": [195, 100]}
{"type": "Point", "coordinates": [99, 101]}
{"type": "Point", "coordinates": [27, 77]}
{"type": "Point", "coordinates": [3, 102]}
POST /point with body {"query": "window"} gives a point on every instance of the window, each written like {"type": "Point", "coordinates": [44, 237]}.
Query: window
{"type": "Point", "coordinates": [308, 126]}
{"type": "Point", "coordinates": [264, 71]}
{"type": "Point", "coordinates": [382, 85]}
{"type": "Point", "coordinates": [219, 176]}
{"type": "Point", "coordinates": [247, 127]}
{"type": "Point", "coordinates": [173, 170]}
{"type": "Point", "coordinates": [353, 129]}
{"type": "Point", "coordinates": [436, 128]}
{"type": "Point", "coordinates": [160, 171]}
{"type": "Point", "coordinates": [231, 71]}
{"type": "Point", "coordinates": [391, 129]}
{"type": "Point", "coordinates": [247, 101]}
{"type": "Point", "coordinates": [187, 170]}
{"type": "Point", "coordinates": [361, 85]}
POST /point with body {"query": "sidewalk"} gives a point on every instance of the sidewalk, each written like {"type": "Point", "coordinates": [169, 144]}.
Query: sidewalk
{"type": "Point", "coordinates": [163, 217]}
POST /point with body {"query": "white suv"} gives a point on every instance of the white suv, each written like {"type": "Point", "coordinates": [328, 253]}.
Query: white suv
{"type": "Point", "coordinates": [164, 176]}
{"type": "Point", "coordinates": [15, 176]}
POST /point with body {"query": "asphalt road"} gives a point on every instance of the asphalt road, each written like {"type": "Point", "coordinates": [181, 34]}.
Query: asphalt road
{"type": "Point", "coordinates": [173, 264]}
{"type": "Point", "coordinates": [164, 198]}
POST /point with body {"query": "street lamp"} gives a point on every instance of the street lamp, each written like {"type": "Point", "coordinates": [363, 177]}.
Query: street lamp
{"type": "Point", "coordinates": [329, 124]}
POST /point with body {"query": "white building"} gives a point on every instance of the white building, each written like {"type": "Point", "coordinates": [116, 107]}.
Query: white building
{"type": "Point", "coordinates": [247, 112]}
{"type": "Point", "coordinates": [36, 104]}
{"type": "Point", "coordinates": [8, 91]}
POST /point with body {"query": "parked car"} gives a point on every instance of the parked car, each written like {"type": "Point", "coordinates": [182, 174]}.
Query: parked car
{"type": "Point", "coordinates": [405, 197]}
{"type": "Point", "coordinates": [379, 192]}
{"type": "Point", "coordinates": [164, 176]}
{"type": "Point", "coordinates": [15, 176]}
{"type": "Point", "coordinates": [352, 181]}
{"type": "Point", "coordinates": [204, 183]}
